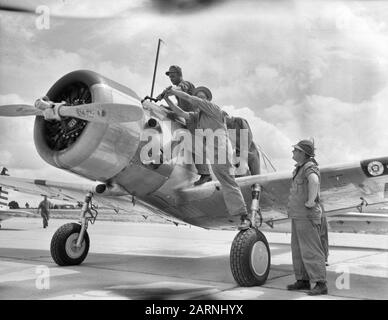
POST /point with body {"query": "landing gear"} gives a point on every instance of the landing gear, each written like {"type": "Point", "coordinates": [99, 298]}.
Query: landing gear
{"type": "Point", "coordinates": [70, 243]}
{"type": "Point", "coordinates": [250, 256]}
{"type": "Point", "coordinates": [64, 248]}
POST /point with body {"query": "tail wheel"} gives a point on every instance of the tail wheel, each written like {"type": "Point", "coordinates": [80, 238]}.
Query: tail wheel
{"type": "Point", "coordinates": [250, 258]}
{"type": "Point", "coordinates": [63, 245]}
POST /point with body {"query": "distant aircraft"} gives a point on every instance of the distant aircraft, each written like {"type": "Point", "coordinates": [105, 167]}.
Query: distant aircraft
{"type": "Point", "coordinates": [97, 135]}
{"type": "Point", "coordinates": [8, 214]}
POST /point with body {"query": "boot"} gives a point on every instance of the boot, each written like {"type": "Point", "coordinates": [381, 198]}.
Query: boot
{"type": "Point", "coordinates": [245, 223]}
{"type": "Point", "coordinates": [203, 179]}
{"type": "Point", "coordinates": [299, 285]}
{"type": "Point", "coordinates": [320, 288]}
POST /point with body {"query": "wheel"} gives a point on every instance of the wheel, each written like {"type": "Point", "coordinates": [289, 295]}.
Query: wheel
{"type": "Point", "coordinates": [250, 258]}
{"type": "Point", "coordinates": [63, 245]}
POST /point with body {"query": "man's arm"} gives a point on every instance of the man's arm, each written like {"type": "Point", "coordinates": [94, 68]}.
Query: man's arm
{"type": "Point", "coordinates": [178, 111]}
{"type": "Point", "coordinates": [161, 96]}
{"type": "Point", "coordinates": [193, 100]}
{"type": "Point", "coordinates": [313, 188]}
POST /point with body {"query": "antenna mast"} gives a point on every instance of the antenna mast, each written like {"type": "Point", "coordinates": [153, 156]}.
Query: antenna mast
{"type": "Point", "coordinates": [156, 66]}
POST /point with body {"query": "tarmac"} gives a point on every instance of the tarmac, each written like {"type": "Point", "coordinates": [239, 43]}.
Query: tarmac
{"type": "Point", "coordinates": [140, 261]}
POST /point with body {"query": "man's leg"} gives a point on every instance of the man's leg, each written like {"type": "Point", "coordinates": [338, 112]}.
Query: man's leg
{"type": "Point", "coordinates": [311, 250]}
{"type": "Point", "coordinates": [44, 220]}
{"type": "Point", "coordinates": [230, 189]}
{"type": "Point", "coordinates": [202, 167]}
{"type": "Point", "coordinates": [297, 262]}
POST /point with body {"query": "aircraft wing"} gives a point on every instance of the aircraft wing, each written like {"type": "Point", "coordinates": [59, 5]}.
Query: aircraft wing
{"type": "Point", "coordinates": [352, 187]}
{"type": "Point", "coordinates": [53, 190]}
{"type": "Point", "coordinates": [8, 214]}
{"type": "Point", "coordinates": [76, 192]}
{"type": "Point", "coordinates": [344, 188]}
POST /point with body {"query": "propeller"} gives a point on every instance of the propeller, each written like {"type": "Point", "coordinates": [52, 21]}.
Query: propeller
{"type": "Point", "coordinates": [94, 112]}
{"type": "Point", "coordinates": [19, 110]}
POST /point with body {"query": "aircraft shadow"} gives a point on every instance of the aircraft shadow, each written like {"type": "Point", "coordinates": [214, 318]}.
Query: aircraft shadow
{"type": "Point", "coordinates": [159, 277]}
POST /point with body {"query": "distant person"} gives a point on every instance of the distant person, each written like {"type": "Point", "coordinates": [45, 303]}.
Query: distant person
{"type": "Point", "coordinates": [176, 78]}
{"type": "Point", "coordinates": [4, 172]}
{"type": "Point", "coordinates": [27, 205]}
{"type": "Point", "coordinates": [44, 208]}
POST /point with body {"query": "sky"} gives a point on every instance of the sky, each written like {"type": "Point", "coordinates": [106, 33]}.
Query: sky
{"type": "Point", "coordinates": [293, 69]}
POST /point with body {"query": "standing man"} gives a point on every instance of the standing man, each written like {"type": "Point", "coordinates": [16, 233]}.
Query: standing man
{"type": "Point", "coordinates": [210, 116]}
{"type": "Point", "coordinates": [237, 124]}
{"type": "Point", "coordinates": [44, 208]}
{"type": "Point", "coordinates": [308, 255]}
{"type": "Point", "coordinates": [176, 78]}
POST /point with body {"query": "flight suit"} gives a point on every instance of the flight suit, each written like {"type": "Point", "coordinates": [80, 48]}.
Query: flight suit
{"type": "Point", "coordinates": [211, 117]}
{"type": "Point", "coordinates": [308, 254]}
{"type": "Point", "coordinates": [253, 160]}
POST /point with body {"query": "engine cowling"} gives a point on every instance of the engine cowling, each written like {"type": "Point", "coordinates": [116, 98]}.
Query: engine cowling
{"type": "Point", "coordinates": [94, 150]}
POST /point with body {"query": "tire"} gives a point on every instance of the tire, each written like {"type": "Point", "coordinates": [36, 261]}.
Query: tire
{"type": "Point", "coordinates": [250, 258]}
{"type": "Point", "coordinates": [62, 245]}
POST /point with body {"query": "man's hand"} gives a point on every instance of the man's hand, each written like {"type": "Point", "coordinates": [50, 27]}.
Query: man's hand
{"type": "Point", "coordinates": [162, 95]}
{"type": "Point", "coordinates": [310, 204]}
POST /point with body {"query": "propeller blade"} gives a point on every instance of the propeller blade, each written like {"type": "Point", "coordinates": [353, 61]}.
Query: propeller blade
{"type": "Point", "coordinates": [103, 112]}
{"type": "Point", "coordinates": [19, 110]}
{"type": "Point", "coordinates": [15, 8]}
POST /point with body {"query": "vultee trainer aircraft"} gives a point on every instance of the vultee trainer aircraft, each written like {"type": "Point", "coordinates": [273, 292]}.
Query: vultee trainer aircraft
{"type": "Point", "coordinates": [96, 134]}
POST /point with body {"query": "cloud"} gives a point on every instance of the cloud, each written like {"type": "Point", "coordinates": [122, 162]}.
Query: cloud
{"type": "Point", "coordinates": [342, 131]}
{"type": "Point", "coordinates": [95, 8]}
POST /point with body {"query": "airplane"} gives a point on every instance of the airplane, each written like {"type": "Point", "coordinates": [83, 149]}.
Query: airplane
{"type": "Point", "coordinates": [96, 133]}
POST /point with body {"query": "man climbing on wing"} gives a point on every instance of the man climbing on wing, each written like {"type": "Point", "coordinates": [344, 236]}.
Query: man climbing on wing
{"type": "Point", "coordinates": [210, 116]}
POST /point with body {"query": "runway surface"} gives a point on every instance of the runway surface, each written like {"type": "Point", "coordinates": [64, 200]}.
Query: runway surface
{"type": "Point", "coordinates": [159, 261]}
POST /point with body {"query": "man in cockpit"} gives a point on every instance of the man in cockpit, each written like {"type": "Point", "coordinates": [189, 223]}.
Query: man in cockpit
{"type": "Point", "coordinates": [238, 124]}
